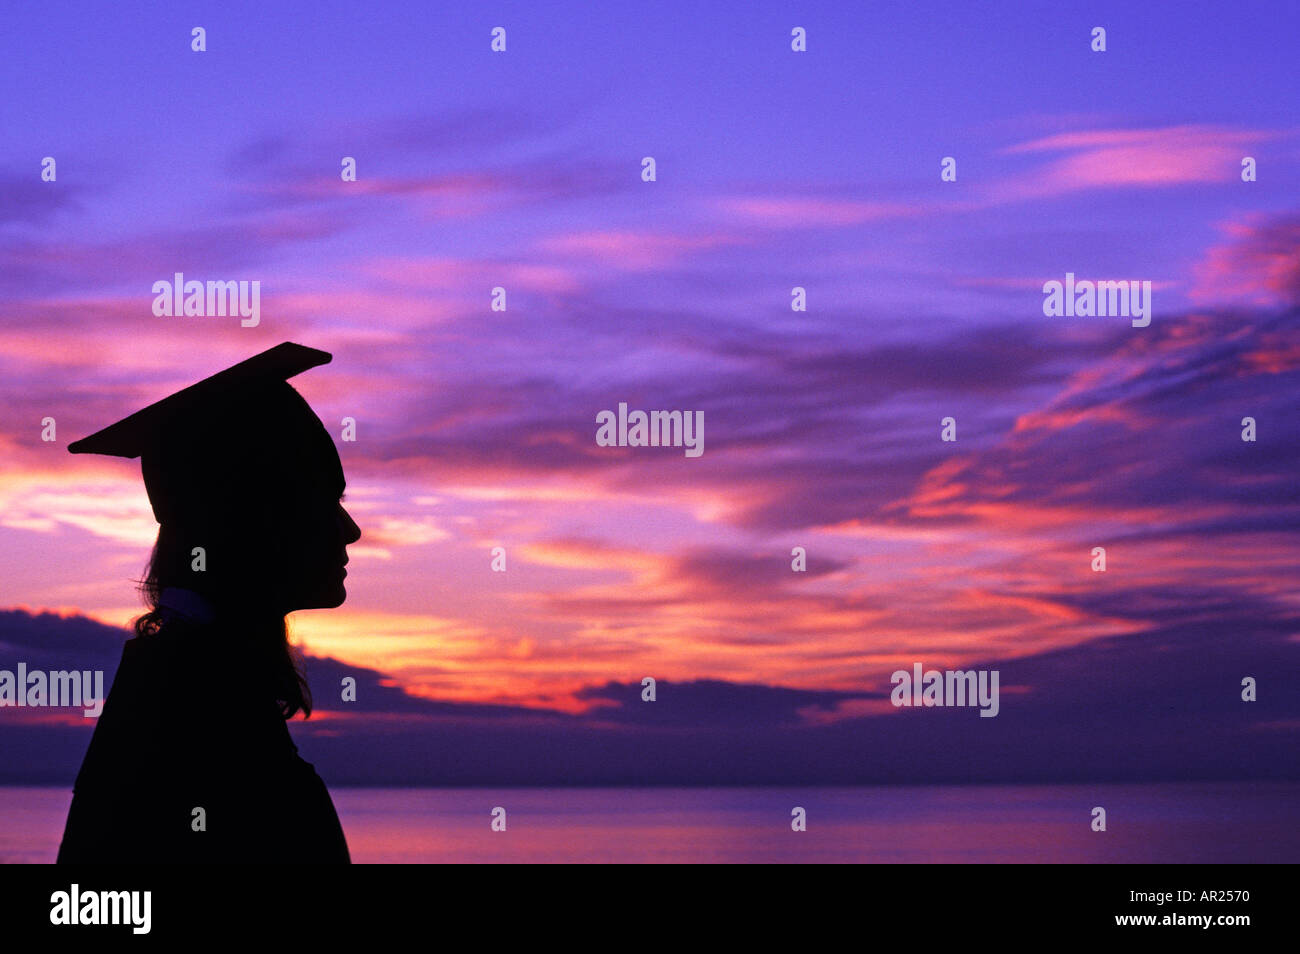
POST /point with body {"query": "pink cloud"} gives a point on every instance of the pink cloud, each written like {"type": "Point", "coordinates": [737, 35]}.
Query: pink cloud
{"type": "Point", "coordinates": [450, 194]}
{"type": "Point", "coordinates": [634, 251]}
{"type": "Point", "coordinates": [1114, 158]}
{"type": "Point", "coordinates": [1259, 264]}
{"type": "Point", "coordinates": [453, 275]}
{"type": "Point", "coordinates": [811, 212]}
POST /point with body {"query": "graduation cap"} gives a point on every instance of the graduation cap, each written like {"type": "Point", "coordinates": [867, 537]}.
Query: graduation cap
{"type": "Point", "coordinates": [239, 435]}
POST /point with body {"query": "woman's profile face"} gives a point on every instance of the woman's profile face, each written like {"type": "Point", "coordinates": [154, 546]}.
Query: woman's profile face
{"type": "Point", "coordinates": [315, 550]}
{"type": "Point", "coordinates": [330, 592]}
{"type": "Point", "coordinates": [296, 535]}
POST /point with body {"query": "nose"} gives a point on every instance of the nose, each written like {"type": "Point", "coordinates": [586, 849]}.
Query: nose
{"type": "Point", "coordinates": [351, 532]}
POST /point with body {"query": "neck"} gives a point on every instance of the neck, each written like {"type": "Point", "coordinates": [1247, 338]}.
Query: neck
{"type": "Point", "coordinates": [179, 602]}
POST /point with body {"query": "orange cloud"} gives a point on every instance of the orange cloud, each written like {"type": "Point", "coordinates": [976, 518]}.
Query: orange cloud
{"type": "Point", "coordinates": [114, 507]}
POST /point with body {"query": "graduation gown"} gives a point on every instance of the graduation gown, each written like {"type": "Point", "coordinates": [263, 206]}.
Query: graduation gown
{"type": "Point", "coordinates": [183, 730]}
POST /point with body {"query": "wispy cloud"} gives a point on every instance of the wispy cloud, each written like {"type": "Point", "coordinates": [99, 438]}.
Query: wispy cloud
{"type": "Point", "coordinates": [1132, 158]}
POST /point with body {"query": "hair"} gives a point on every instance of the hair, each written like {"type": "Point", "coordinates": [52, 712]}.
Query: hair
{"type": "Point", "coordinates": [264, 637]}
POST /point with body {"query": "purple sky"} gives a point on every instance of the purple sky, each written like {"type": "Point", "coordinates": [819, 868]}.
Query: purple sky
{"type": "Point", "coordinates": [775, 169]}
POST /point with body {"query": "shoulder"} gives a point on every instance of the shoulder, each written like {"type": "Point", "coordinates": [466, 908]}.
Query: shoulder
{"type": "Point", "coordinates": [161, 668]}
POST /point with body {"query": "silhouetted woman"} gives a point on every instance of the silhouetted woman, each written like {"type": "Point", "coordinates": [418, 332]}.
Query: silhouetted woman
{"type": "Point", "coordinates": [191, 759]}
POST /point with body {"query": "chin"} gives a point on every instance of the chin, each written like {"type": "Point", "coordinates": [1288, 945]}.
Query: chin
{"type": "Point", "coordinates": [327, 599]}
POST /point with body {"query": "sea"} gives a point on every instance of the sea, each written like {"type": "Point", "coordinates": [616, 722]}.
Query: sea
{"type": "Point", "coordinates": [1183, 823]}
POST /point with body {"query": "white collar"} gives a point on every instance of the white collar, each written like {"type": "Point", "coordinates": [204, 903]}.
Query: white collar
{"type": "Point", "coordinates": [174, 602]}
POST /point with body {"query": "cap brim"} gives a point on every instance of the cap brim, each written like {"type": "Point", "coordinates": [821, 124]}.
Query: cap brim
{"type": "Point", "coordinates": [132, 435]}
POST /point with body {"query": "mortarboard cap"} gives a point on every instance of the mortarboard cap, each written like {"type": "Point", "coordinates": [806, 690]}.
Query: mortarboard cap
{"type": "Point", "coordinates": [239, 431]}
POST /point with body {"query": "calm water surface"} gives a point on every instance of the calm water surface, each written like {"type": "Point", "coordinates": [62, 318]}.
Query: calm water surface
{"type": "Point", "coordinates": [1183, 823]}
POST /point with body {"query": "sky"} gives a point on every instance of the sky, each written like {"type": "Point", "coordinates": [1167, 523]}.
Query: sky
{"type": "Point", "coordinates": [476, 428]}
